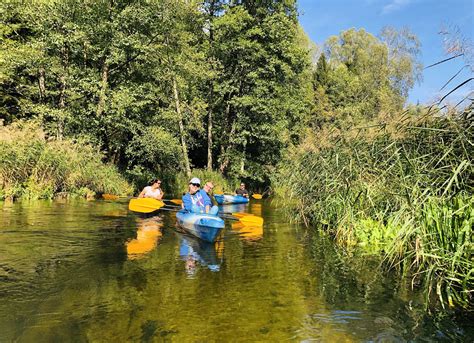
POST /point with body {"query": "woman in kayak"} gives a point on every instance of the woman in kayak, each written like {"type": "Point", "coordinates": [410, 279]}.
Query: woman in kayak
{"type": "Point", "coordinates": [153, 190]}
{"type": "Point", "coordinates": [197, 200]}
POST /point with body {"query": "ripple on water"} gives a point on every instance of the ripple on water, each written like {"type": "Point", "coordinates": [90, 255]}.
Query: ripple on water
{"type": "Point", "coordinates": [95, 271]}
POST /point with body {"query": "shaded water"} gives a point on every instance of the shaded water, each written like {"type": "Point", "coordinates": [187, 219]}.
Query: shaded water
{"type": "Point", "coordinates": [91, 271]}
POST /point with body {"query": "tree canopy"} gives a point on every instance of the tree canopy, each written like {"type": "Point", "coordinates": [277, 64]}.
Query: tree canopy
{"type": "Point", "coordinates": [168, 85]}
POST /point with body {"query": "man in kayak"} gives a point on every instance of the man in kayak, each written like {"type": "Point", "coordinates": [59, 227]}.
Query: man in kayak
{"type": "Point", "coordinates": [208, 187]}
{"type": "Point", "coordinates": [242, 191]}
{"type": "Point", "coordinates": [153, 190]}
{"type": "Point", "coordinates": [197, 200]}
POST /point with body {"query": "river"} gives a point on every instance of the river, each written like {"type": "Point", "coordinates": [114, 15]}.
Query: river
{"type": "Point", "coordinates": [91, 271]}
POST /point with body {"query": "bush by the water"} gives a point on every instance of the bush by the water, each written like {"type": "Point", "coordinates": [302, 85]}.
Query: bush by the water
{"type": "Point", "coordinates": [34, 167]}
{"type": "Point", "coordinates": [405, 192]}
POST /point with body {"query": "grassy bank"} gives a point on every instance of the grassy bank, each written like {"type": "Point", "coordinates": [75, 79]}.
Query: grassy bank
{"type": "Point", "coordinates": [404, 192]}
{"type": "Point", "coordinates": [34, 167]}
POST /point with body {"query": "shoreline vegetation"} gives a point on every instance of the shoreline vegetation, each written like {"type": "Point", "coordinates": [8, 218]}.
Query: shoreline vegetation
{"type": "Point", "coordinates": [34, 167]}
{"type": "Point", "coordinates": [101, 97]}
{"type": "Point", "coordinates": [403, 191]}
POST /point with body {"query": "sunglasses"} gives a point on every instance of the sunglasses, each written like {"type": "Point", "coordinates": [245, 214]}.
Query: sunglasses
{"type": "Point", "coordinates": [195, 184]}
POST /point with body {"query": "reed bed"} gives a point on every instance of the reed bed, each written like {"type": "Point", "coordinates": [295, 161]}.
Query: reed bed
{"type": "Point", "coordinates": [36, 168]}
{"type": "Point", "coordinates": [405, 192]}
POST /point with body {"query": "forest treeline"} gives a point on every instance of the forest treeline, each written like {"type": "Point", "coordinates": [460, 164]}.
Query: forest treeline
{"type": "Point", "coordinates": [165, 85]}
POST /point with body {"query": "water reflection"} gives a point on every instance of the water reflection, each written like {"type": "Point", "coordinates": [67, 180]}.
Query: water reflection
{"type": "Point", "coordinates": [248, 233]}
{"type": "Point", "coordinates": [256, 209]}
{"type": "Point", "coordinates": [196, 252]}
{"type": "Point", "coordinates": [92, 272]}
{"type": "Point", "coordinates": [148, 236]}
{"type": "Point", "coordinates": [234, 208]}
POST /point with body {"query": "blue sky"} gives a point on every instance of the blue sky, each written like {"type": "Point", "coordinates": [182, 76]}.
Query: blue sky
{"type": "Point", "coordinates": [425, 18]}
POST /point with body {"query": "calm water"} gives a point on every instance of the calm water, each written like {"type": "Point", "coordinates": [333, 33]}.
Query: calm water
{"type": "Point", "coordinates": [92, 272]}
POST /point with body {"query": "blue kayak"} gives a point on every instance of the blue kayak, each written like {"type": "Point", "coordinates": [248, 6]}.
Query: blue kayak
{"type": "Point", "coordinates": [204, 226]}
{"type": "Point", "coordinates": [223, 199]}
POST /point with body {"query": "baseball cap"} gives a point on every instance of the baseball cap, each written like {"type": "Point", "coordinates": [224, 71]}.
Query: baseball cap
{"type": "Point", "coordinates": [195, 180]}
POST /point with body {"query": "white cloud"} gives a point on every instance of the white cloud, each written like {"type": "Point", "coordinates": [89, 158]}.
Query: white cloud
{"type": "Point", "coordinates": [395, 5]}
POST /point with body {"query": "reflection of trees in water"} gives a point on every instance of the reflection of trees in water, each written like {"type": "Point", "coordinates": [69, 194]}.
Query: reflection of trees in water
{"type": "Point", "coordinates": [358, 283]}
{"type": "Point", "coordinates": [341, 275]}
{"type": "Point", "coordinates": [148, 235]}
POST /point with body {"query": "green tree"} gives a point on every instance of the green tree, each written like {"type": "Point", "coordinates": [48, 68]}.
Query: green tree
{"type": "Point", "coordinates": [262, 87]}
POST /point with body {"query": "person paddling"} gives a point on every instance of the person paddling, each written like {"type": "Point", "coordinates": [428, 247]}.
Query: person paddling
{"type": "Point", "coordinates": [242, 191]}
{"type": "Point", "coordinates": [209, 198]}
{"type": "Point", "coordinates": [153, 190]}
{"type": "Point", "coordinates": [196, 200]}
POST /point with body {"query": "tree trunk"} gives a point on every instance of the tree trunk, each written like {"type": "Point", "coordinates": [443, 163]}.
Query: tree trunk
{"type": "Point", "coordinates": [211, 89]}
{"type": "Point", "coordinates": [225, 140]}
{"type": "Point", "coordinates": [209, 133]}
{"type": "Point", "coordinates": [62, 92]}
{"type": "Point", "coordinates": [225, 148]}
{"type": "Point", "coordinates": [41, 84]}
{"type": "Point", "coordinates": [103, 89]}
{"type": "Point", "coordinates": [181, 128]}
{"type": "Point", "coordinates": [242, 164]}
{"type": "Point", "coordinates": [225, 161]}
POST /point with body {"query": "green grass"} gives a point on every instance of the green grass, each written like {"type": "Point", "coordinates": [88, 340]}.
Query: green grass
{"type": "Point", "coordinates": [34, 167]}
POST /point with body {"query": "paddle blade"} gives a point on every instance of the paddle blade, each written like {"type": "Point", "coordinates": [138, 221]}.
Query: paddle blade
{"type": "Point", "coordinates": [251, 220]}
{"type": "Point", "coordinates": [257, 196]}
{"type": "Point", "coordinates": [176, 201]}
{"type": "Point", "coordinates": [145, 205]}
{"type": "Point", "coordinates": [110, 196]}
{"type": "Point", "coordinates": [240, 214]}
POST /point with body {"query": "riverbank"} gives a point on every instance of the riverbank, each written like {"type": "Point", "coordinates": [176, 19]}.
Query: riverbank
{"type": "Point", "coordinates": [35, 167]}
{"type": "Point", "coordinates": [402, 191]}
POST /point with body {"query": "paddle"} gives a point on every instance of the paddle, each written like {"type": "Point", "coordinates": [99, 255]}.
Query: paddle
{"type": "Point", "coordinates": [235, 214]}
{"type": "Point", "coordinates": [107, 196]}
{"type": "Point", "coordinates": [255, 195]}
{"type": "Point", "coordinates": [174, 201]}
{"type": "Point", "coordinates": [112, 196]}
{"type": "Point", "coordinates": [250, 220]}
{"type": "Point", "coordinates": [148, 205]}
{"type": "Point", "coordinates": [145, 205]}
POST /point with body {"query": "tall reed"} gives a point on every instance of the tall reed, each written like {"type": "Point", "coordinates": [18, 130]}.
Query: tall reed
{"type": "Point", "coordinates": [404, 191]}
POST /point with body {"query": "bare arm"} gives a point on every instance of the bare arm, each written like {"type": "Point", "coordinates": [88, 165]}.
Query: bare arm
{"type": "Point", "coordinates": [160, 196]}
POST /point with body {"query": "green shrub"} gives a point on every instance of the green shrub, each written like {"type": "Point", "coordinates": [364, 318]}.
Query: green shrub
{"type": "Point", "coordinates": [33, 167]}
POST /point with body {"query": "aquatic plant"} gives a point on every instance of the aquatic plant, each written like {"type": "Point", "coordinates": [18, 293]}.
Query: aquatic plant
{"type": "Point", "coordinates": [35, 167]}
